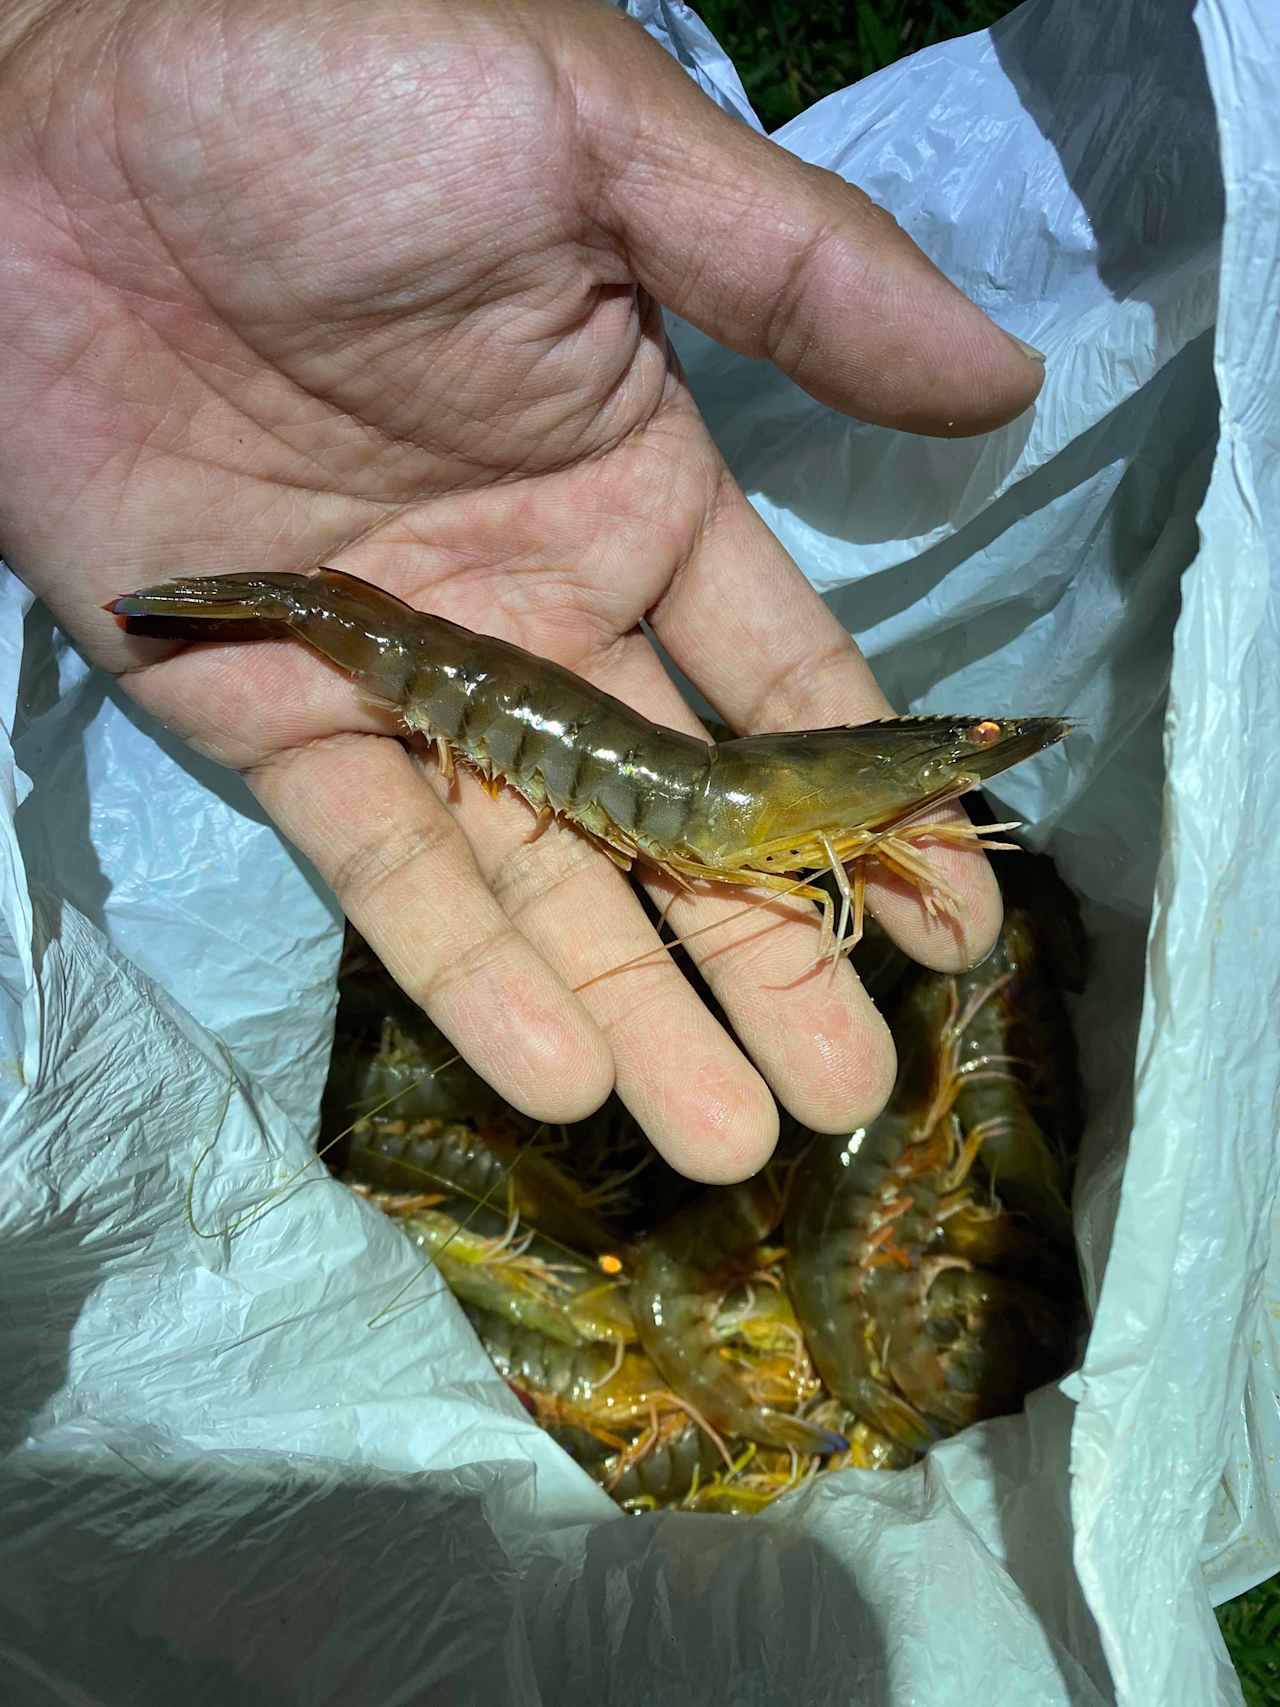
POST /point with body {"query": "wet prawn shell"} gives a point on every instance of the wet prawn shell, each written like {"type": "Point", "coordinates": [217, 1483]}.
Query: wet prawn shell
{"type": "Point", "coordinates": [792, 787]}
{"type": "Point", "coordinates": [1028, 1020]}
{"type": "Point", "coordinates": [558, 741]}
{"type": "Point", "coordinates": [668, 1471]}
{"type": "Point", "coordinates": [973, 1345]}
{"type": "Point", "coordinates": [564, 744]}
{"type": "Point", "coordinates": [386, 1150]}
{"type": "Point", "coordinates": [535, 1362]}
{"type": "Point", "coordinates": [643, 788]}
{"type": "Point", "coordinates": [834, 1222]}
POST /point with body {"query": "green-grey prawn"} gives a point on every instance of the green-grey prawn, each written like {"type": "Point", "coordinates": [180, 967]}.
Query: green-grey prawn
{"type": "Point", "coordinates": [681, 1275]}
{"type": "Point", "coordinates": [889, 1231]}
{"type": "Point", "coordinates": [765, 810]}
{"type": "Point", "coordinates": [478, 1163]}
{"type": "Point", "coordinates": [491, 1263]}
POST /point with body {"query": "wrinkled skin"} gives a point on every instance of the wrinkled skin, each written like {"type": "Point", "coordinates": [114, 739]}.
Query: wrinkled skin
{"type": "Point", "coordinates": [375, 285]}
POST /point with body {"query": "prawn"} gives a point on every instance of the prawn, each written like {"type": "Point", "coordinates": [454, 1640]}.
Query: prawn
{"type": "Point", "coordinates": [765, 810]}
{"type": "Point", "coordinates": [1023, 1020]}
{"type": "Point", "coordinates": [675, 1466]}
{"type": "Point", "coordinates": [868, 1217]}
{"type": "Point", "coordinates": [591, 1404]}
{"type": "Point", "coordinates": [659, 1470]}
{"type": "Point", "coordinates": [523, 1279]}
{"type": "Point", "coordinates": [582, 1387]}
{"type": "Point", "coordinates": [963, 1344]}
{"type": "Point", "coordinates": [680, 1275]}
{"type": "Point", "coordinates": [979, 1009]}
{"type": "Point", "coordinates": [858, 1209]}
{"type": "Point", "coordinates": [885, 1231]}
{"type": "Point", "coordinates": [477, 1163]}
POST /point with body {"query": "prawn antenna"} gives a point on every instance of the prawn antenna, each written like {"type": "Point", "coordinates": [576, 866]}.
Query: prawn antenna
{"type": "Point", "coordinates": [260, 1208]}
{"type": "Point", "coordinates": [677, 942]}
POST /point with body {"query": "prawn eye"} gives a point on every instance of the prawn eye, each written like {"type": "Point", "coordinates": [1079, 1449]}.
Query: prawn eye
{"type": "Point", "coordinates": [986, 733]}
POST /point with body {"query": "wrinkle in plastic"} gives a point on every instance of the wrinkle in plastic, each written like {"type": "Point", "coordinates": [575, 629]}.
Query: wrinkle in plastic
{"type": "Point", "coordinates": [274, 1486]}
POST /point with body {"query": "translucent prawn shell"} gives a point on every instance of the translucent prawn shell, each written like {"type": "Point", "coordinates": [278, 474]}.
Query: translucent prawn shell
{"type": "Point", "coordinates": [770, 791]}
{"type": "Point", "coordinates": [847, 1192]}
{"type": "Point", "coordinates": [556, 739]}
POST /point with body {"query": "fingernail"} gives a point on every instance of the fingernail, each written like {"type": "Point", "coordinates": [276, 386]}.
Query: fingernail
{"type": "Point", "coordinates": [1026, 348]}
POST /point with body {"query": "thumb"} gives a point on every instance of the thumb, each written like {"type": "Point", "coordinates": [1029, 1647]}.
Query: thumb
{"type": "Point", "coordinates": [781, 260]}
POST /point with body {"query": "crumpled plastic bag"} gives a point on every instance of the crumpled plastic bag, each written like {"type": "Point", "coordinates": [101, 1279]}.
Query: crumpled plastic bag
{"type": "Point", "coordinates": [239, 1468]}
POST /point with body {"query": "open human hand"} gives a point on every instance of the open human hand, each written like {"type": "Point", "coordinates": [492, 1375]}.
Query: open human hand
{"type": "Point", "coordinates": [377, 287]}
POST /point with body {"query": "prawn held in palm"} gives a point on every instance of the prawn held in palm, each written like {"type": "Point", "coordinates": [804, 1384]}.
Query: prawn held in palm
{"type": "Point", "coordinates": [763, 810]}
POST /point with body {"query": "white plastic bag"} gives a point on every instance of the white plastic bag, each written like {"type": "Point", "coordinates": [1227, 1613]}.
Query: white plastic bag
{"type": "Point", "coordinates": [263, 1497]}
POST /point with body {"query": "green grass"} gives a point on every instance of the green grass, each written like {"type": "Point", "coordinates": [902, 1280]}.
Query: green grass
{"type": "Point", "coordinates": [1250, 1627]}
{"type": "Point", "coordinates": [790, 55]}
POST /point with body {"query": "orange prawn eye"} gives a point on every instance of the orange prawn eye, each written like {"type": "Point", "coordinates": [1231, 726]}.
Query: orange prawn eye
{"type": "Point", "coordinates": [986, 733]}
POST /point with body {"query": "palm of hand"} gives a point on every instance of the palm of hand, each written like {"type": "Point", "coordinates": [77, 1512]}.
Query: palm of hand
{"type": "Point", "coordinates": [289, 320]}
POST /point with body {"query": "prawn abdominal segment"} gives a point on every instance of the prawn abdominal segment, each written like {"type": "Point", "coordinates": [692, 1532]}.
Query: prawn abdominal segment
{"type": "Point", "coordinates": [762, 810]}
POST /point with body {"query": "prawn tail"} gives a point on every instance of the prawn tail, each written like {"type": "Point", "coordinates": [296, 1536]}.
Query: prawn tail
{"type": "Point", "coordinates": [362, 629]}
{"type": "Point", "coordinates": [193, 604]}
{"type": "Point", "coordinates": [892, 1415]}
{"type": "Point", "coordinates": [806, 1437]}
